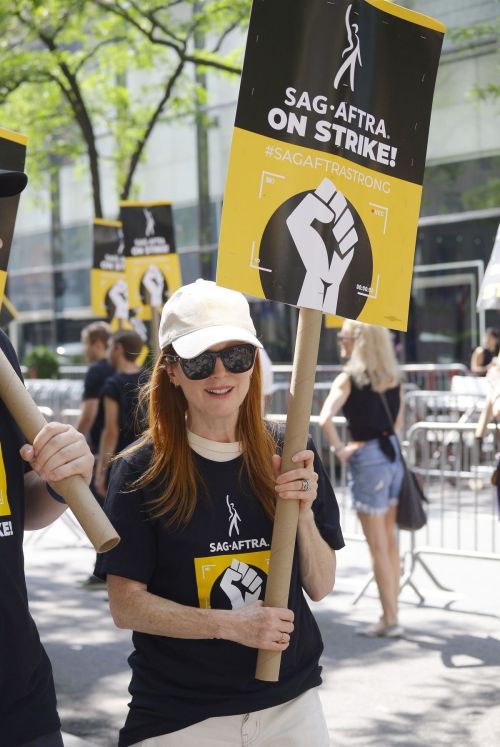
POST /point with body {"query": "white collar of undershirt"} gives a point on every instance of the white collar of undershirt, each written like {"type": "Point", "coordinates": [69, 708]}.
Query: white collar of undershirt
{"type": "Point", "coordinates": [213, 450]}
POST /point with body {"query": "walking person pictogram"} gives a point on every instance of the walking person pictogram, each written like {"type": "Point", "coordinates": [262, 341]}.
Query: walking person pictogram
{"type": "Point", "coordinates": [352, 51]}
{"type": "Point", "coordinates": [150, 222]}
{"type": "Point", "coordinates": [233, 516]}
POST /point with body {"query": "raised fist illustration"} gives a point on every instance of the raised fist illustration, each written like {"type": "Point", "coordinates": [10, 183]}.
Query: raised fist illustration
{"type": "Point", "coordinates": [118, 295]}
{"type": "Point", "coordinates": [241, 584]}
{"type": "Point", "coordinates": [321, 285]}
{"type": "Point", "coordinates": [154, 283]}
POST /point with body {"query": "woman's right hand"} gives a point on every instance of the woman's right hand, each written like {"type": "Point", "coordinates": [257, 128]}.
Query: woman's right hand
{"type": "Point", "coordinates": [344, 455]}
{"type": "Point", "coordinates": [261, 627]}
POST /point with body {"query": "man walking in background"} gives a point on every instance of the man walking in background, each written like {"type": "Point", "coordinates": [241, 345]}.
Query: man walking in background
{"type": "Point", "coordinates": [95, 338]}
{"type": "Point", "coordinates": [119, 397]}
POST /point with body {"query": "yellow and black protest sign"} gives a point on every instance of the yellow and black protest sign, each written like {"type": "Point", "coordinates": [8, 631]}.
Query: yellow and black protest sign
{"type": "Point", "coordinates": [152, 266]}
{"type": "Point", "coordinates": [8, 312]}
{"type": "Point", "coordinates": [333, 322]}
{"type": "Point", "coordinates": [327, 159]}
{"type": "Point", "coordinates": [12, 158]}
{"type": "Point", "coordinates": [489, 292]}
{"type": "Point", "coordinates": [108, 287]}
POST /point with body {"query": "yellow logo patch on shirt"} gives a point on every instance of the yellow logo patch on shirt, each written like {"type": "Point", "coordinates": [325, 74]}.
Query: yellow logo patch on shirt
{"type": "Point", "coordinates": [4, 499]}
{"type": "Point", "coordinates": [231, 581]}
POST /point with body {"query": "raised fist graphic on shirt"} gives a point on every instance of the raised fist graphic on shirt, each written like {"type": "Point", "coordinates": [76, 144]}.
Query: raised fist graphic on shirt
{"type": "Point", "coordinates": [241, 584]}
{"type": "Point", "coordinates": [320, 289]}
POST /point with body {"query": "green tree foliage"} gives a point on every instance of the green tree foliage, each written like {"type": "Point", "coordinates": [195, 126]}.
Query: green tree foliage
{"type": "Point", "coordinates": [92, 78]}
{"type": "Point", "coordinates": [42, 363]}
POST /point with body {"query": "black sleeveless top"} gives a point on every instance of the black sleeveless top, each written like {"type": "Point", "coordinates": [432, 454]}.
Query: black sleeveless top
{"type": "Point", "coordinates": [488, 356]}
{"type": "Point", "coordinates": [365, 412]}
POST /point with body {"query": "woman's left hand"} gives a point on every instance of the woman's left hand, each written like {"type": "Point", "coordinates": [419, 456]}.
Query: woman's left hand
{"type": "Point", "coordinates": [300, 484]}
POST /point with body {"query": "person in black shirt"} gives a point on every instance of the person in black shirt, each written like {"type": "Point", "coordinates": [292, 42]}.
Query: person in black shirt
{"type": "Point", "coordinates": [28, 712]}
{"type": "Point", "coordinates": [194, 501]}
{"type": "Point", "coordinates": [369, 390]}
{"type": "Point", "coordinates": [119, 396]}
{"type": "Point", "coordinates": [27, 698]}
{"type": "Point", "coordinates": [483, 358]}
{"type": "Point", "coordinates": [95, 338]}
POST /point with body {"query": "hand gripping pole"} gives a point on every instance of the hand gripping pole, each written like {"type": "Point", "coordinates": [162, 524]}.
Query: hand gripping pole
{"type": "Point", "coordinates": [75, 492]}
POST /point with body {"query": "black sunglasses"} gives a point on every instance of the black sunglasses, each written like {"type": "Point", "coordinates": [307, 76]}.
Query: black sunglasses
{"type": "Point", "coordinates": [236, 359]}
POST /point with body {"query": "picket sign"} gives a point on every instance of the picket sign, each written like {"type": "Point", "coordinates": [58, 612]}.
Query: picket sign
{"type": "Point", "coordinates": [75, 492]}
{"type": "Point", "coordinates": [324, 186]}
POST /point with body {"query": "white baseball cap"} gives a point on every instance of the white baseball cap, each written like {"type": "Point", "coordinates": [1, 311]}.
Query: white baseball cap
{"type": "Point", "coordinates": [203, 314]}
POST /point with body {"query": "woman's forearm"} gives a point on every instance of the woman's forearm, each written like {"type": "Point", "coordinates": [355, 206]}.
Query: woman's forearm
{"type": "Point", "coordinates": [135, 608]}
{"type": "Point", "coordinates": [145, 612]}
{"type": "Point", "coordinates": [317, 560]}
{"type": "Point", "coordinates": [41, 508]}
{"type": "Point", "coordinates": [332, 436]}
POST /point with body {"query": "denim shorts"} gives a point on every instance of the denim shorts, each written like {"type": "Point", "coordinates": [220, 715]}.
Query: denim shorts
{"type": "Point", "coordinates": [374, 480]}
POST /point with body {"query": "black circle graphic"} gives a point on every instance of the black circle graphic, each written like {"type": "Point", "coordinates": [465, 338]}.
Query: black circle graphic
{"type": "Point", "coordinates": [279, 254]}
{"type": "Point", "coordinates": [218, 597]}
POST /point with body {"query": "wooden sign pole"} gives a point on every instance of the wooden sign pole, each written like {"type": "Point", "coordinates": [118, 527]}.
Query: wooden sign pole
{"type": "Point", "coordinates": [155, 326]}
{"type": "Point", "coordinates": [287, 512]}
{"type": "Point", "coordinates": [75, 492]}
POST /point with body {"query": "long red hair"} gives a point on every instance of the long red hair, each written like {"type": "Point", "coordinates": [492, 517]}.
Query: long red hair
{"type": "Point", "coordinates": [172, 467]}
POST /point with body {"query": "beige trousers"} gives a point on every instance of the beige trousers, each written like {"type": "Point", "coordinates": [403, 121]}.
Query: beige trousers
{"type": "Point", "coordinates": [298, 723]}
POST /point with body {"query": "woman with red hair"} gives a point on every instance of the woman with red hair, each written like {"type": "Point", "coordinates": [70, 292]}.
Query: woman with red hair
{"type": "Point", "coordinates": [194, 501]}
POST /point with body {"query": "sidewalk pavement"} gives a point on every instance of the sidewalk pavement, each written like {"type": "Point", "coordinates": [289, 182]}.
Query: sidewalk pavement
{"type": "Point", "coordinates": [438, 686]}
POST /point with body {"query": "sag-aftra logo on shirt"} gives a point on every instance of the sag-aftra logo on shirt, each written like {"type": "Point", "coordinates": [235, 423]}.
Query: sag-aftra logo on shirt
{"type": "Point", "coordinates": [235, 572]}
{"type": "Point", "coordinates": [5, 526]}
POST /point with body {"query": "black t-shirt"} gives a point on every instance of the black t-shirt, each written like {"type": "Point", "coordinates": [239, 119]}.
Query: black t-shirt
{"type": "Point", "coordinates": [123, 388]}
{"type": "Point", "coordinates": [365, 412]}
{"type": "Point", "coordinates": [95, 378]}
{"type": "Point", "coordinates": [176, 682]}
{"type": "Point", "coordinates": [27, 697]}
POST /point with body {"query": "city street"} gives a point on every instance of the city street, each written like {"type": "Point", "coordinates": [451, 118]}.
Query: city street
{"type": "Point", "coordinates": [438, 686]}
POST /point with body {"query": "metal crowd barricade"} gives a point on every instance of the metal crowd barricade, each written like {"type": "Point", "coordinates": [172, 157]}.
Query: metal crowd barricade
{"type": "Point", "coordinates": [439, 406]}
{"type": "Point", "coordinates": [434, 378]}
{"type": "Point", "coordinates": [462, 512]}
{"type": "Point", "coordinates": [70, 415]}
{"type": "Point", "coordinates": [455, 468]}
{"type": "Point", "coordinates": [57, 394]}
{"type": "Point", "coordinates": [281, 391]}
{"type": "Point", "coordinates": [429, 376]}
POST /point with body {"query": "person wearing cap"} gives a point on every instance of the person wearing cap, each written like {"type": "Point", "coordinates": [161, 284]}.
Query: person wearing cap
{"type": "Point", "coordinates": [28, 712]}
{"type": "Point", "coordinates": [193, 501]}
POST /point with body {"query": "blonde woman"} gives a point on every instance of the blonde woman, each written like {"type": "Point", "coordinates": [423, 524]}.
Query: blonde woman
{"type": "Point", "coordinates": [371, 375]}
{"type": "Point", "coordinates": [194, 502]}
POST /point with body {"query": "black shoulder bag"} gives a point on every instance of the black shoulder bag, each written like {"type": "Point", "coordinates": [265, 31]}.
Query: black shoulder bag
{"type": "Point", "coordinates": [410, 513]}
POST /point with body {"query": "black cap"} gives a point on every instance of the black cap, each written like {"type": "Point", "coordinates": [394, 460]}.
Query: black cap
{"type": "Point", "coordinates": [12, 182]}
